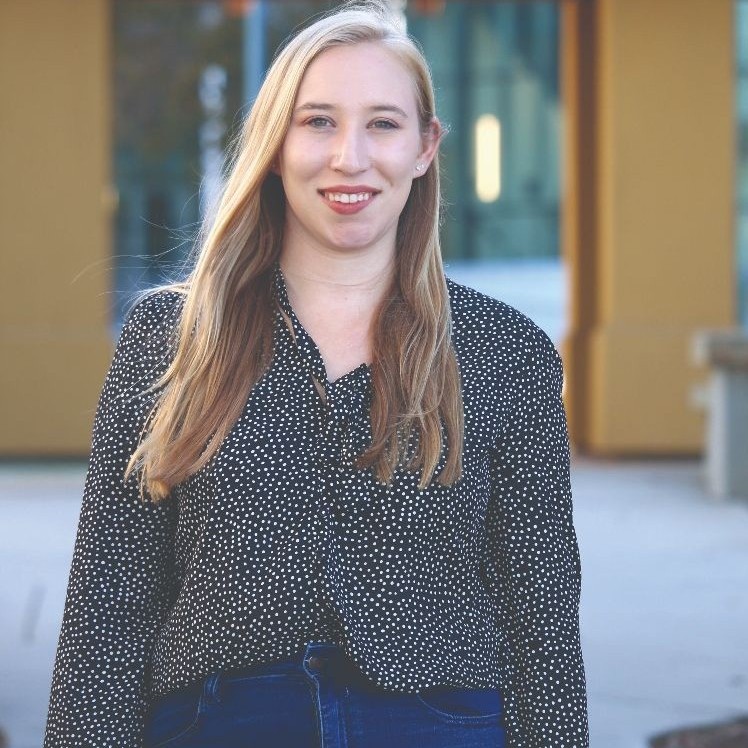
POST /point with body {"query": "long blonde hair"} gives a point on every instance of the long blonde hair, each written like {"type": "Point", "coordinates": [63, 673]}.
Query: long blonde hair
{"type": "Point", "coordinates": [224, 338]}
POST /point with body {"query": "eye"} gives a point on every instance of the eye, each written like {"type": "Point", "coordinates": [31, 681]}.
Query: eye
{"type": "Point", "coordinates": [318, 122]}
{"type": "Point", "coordinates": [385, 124]}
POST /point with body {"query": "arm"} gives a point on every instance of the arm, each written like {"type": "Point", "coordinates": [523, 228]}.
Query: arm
{"type": "Point", "coordinates": [118, 588]}
{"type": "Point", "coordinates": [532, 542]}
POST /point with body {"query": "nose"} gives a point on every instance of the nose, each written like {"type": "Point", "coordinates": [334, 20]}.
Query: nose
{"type": "Point", "coordinates": [351, 152]}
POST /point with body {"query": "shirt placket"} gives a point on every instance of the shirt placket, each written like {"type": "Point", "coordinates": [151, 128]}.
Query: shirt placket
{"type": "Point", "coordinates": [344, 428]}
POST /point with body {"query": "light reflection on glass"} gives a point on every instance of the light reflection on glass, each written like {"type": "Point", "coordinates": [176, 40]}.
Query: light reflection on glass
{"type": "Point", "coordinates": [487, 158]}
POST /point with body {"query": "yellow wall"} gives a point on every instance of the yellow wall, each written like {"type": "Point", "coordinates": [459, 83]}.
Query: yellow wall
{"type": "Point", "coordinates": [55, 213]}
{"type": "Point", "coordinates": [653, 240]}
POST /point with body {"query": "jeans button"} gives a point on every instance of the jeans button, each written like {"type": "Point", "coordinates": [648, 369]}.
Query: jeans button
{"type": "Point", "coordinates": [316, 664]}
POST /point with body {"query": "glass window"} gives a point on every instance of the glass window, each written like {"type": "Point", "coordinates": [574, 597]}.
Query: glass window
{"type": "Point", "coordinates": [495, 68]}
{"type": "Point", "coordinates": [497, 89]}
{"type": "Point", "coordinates": [177, 85]}
{"type": "Point", "coordinates": [185, 72]}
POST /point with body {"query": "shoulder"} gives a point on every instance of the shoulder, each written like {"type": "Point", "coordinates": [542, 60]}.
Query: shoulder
{"type": "Point", "coordinates": [483, 323]}
{"type": "Point", "coordinates": [146, 342]}
{"type": "Point", "coordinates": [153, 318]}
{"type": "Point", "coordinates": [156, 308]}
{"type": "Point", "coordinates": [502, 351]}
{"type": "Point", "coordinates": [469, 304]}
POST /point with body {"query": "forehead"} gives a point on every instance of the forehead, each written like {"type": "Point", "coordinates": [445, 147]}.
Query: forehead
{"type": "Point", "coordinates": [358, 74]}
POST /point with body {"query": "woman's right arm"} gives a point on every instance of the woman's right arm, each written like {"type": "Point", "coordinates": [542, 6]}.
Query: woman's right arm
{"type": "Point", "coordinates": [119, 585]}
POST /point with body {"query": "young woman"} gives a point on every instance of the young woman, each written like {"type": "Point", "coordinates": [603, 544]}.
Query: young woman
{"type": "Point", "coordinates": [328, 501]}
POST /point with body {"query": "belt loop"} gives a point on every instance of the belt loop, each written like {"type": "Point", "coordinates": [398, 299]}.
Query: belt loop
{"type": "Point", "coordinates": [211, 690]}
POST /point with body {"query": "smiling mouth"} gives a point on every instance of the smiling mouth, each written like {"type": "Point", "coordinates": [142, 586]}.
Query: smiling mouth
{"type": "Point", "coordinates": [347, 197]}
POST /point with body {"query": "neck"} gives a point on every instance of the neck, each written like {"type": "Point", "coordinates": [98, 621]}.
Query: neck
{"type": "Point", "coordinates": [336, 282]}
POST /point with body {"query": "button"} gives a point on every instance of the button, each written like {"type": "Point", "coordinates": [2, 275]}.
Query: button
{"type": "Point", "coordinates": [316, 664]}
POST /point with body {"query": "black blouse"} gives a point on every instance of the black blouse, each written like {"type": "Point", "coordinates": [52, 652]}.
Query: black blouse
{"type": "Point", "coordinates": [280, 540]}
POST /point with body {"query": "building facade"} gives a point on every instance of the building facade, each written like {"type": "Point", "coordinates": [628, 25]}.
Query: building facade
{"type": "Point", "coordinates": [601, 133]}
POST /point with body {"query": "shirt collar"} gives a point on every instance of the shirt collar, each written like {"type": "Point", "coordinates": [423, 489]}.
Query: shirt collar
{"type": "Point", "coordinates": [359, 379]}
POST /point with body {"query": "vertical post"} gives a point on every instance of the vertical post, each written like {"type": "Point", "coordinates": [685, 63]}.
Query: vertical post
{"type": "Point", "coordinates": [579, 208]}
{"type": "Point", "coordinates": [464, 125]}
{"type": "Point", "coordinates": [255, 21]}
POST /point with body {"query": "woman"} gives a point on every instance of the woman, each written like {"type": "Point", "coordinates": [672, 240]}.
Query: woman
{"type": "Point", "coordinates": [346, 518]}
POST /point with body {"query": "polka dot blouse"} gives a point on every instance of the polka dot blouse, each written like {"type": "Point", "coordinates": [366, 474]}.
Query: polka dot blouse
{"type": "Point", "coordinates": [280, 541]}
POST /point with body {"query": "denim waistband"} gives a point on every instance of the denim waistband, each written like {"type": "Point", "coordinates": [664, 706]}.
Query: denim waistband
{"type": "Point", "coordinates": [314, 659]}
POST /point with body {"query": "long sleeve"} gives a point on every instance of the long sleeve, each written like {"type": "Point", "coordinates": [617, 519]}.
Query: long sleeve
{"type": "Point", "coordinates": [531, 540]}
{"type": "Point", "coordinates": [118, 587]}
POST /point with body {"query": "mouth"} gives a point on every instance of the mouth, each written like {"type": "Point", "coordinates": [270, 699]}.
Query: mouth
{"type": "Point", "coordinates": [346, 198]}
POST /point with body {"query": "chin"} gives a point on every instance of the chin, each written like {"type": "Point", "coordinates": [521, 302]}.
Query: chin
{"type": "Point", "coordinates": [350, 241]}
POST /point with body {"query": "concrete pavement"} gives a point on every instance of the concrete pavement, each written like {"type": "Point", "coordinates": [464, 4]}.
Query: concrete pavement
{"type": "Point", "coordinates": [664, 609]}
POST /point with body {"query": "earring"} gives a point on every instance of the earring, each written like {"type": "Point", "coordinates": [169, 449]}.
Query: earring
{"type": "Point", "coordinates": [419, 167]}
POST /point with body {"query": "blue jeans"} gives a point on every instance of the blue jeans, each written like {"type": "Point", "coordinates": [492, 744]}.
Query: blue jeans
{"type": "Point", "coordinates": [319, 699]}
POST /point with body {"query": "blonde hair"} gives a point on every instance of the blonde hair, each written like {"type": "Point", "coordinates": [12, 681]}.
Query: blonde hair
{"type": "Point", "coordinates": [224, 338]}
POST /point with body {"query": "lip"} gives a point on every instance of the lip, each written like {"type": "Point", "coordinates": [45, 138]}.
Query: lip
{"type": "Point", "coordinates": [348, 189]}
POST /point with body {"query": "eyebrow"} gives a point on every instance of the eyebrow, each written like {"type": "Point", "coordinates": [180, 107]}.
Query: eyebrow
{"type": "Point", "coordinates": [373, 108]}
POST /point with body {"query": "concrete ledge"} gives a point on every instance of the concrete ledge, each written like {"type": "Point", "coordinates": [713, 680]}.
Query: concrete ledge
{"type": "Point", "coordinates": [722, 348]}
{"type": "Point", "coordinates": [726, 353]}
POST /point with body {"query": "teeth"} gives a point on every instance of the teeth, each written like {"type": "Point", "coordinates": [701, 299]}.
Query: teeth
{"type": "Point", "coordinates": [345, 197]}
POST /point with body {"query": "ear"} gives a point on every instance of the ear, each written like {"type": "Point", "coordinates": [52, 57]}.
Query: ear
{"type": "Point", "coordinates": [430, 139]}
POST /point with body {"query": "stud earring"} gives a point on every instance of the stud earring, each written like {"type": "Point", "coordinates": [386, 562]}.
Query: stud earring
{"type": "Point", "coordinates": [419, 167]}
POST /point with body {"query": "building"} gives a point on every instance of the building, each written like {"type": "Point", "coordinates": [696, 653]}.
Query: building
{"type": "Point", "coordinates": [640, 198]}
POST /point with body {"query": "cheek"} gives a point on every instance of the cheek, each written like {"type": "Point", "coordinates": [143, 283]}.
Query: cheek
{"type": "Point", "coordinates": [298, 161]}
{"type": "Point", "coordinates": [401, 163]}
{"type": "Point", "coordinates": [401, 175]}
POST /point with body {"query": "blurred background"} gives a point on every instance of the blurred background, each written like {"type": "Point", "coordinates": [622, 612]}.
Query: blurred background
{"type": "Point", "coordinates": [596, 177]}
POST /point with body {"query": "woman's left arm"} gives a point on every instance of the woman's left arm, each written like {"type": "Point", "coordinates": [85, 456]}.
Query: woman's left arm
{"type": "Point", "coordinates": [532, 542]}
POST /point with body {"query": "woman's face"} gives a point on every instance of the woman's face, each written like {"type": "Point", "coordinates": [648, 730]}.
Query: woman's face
{"type": "Point", "coordinates": [350, 155]}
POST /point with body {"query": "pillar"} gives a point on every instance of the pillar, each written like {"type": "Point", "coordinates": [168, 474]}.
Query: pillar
{"type": "Point", "coordinates": [648, 215]}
